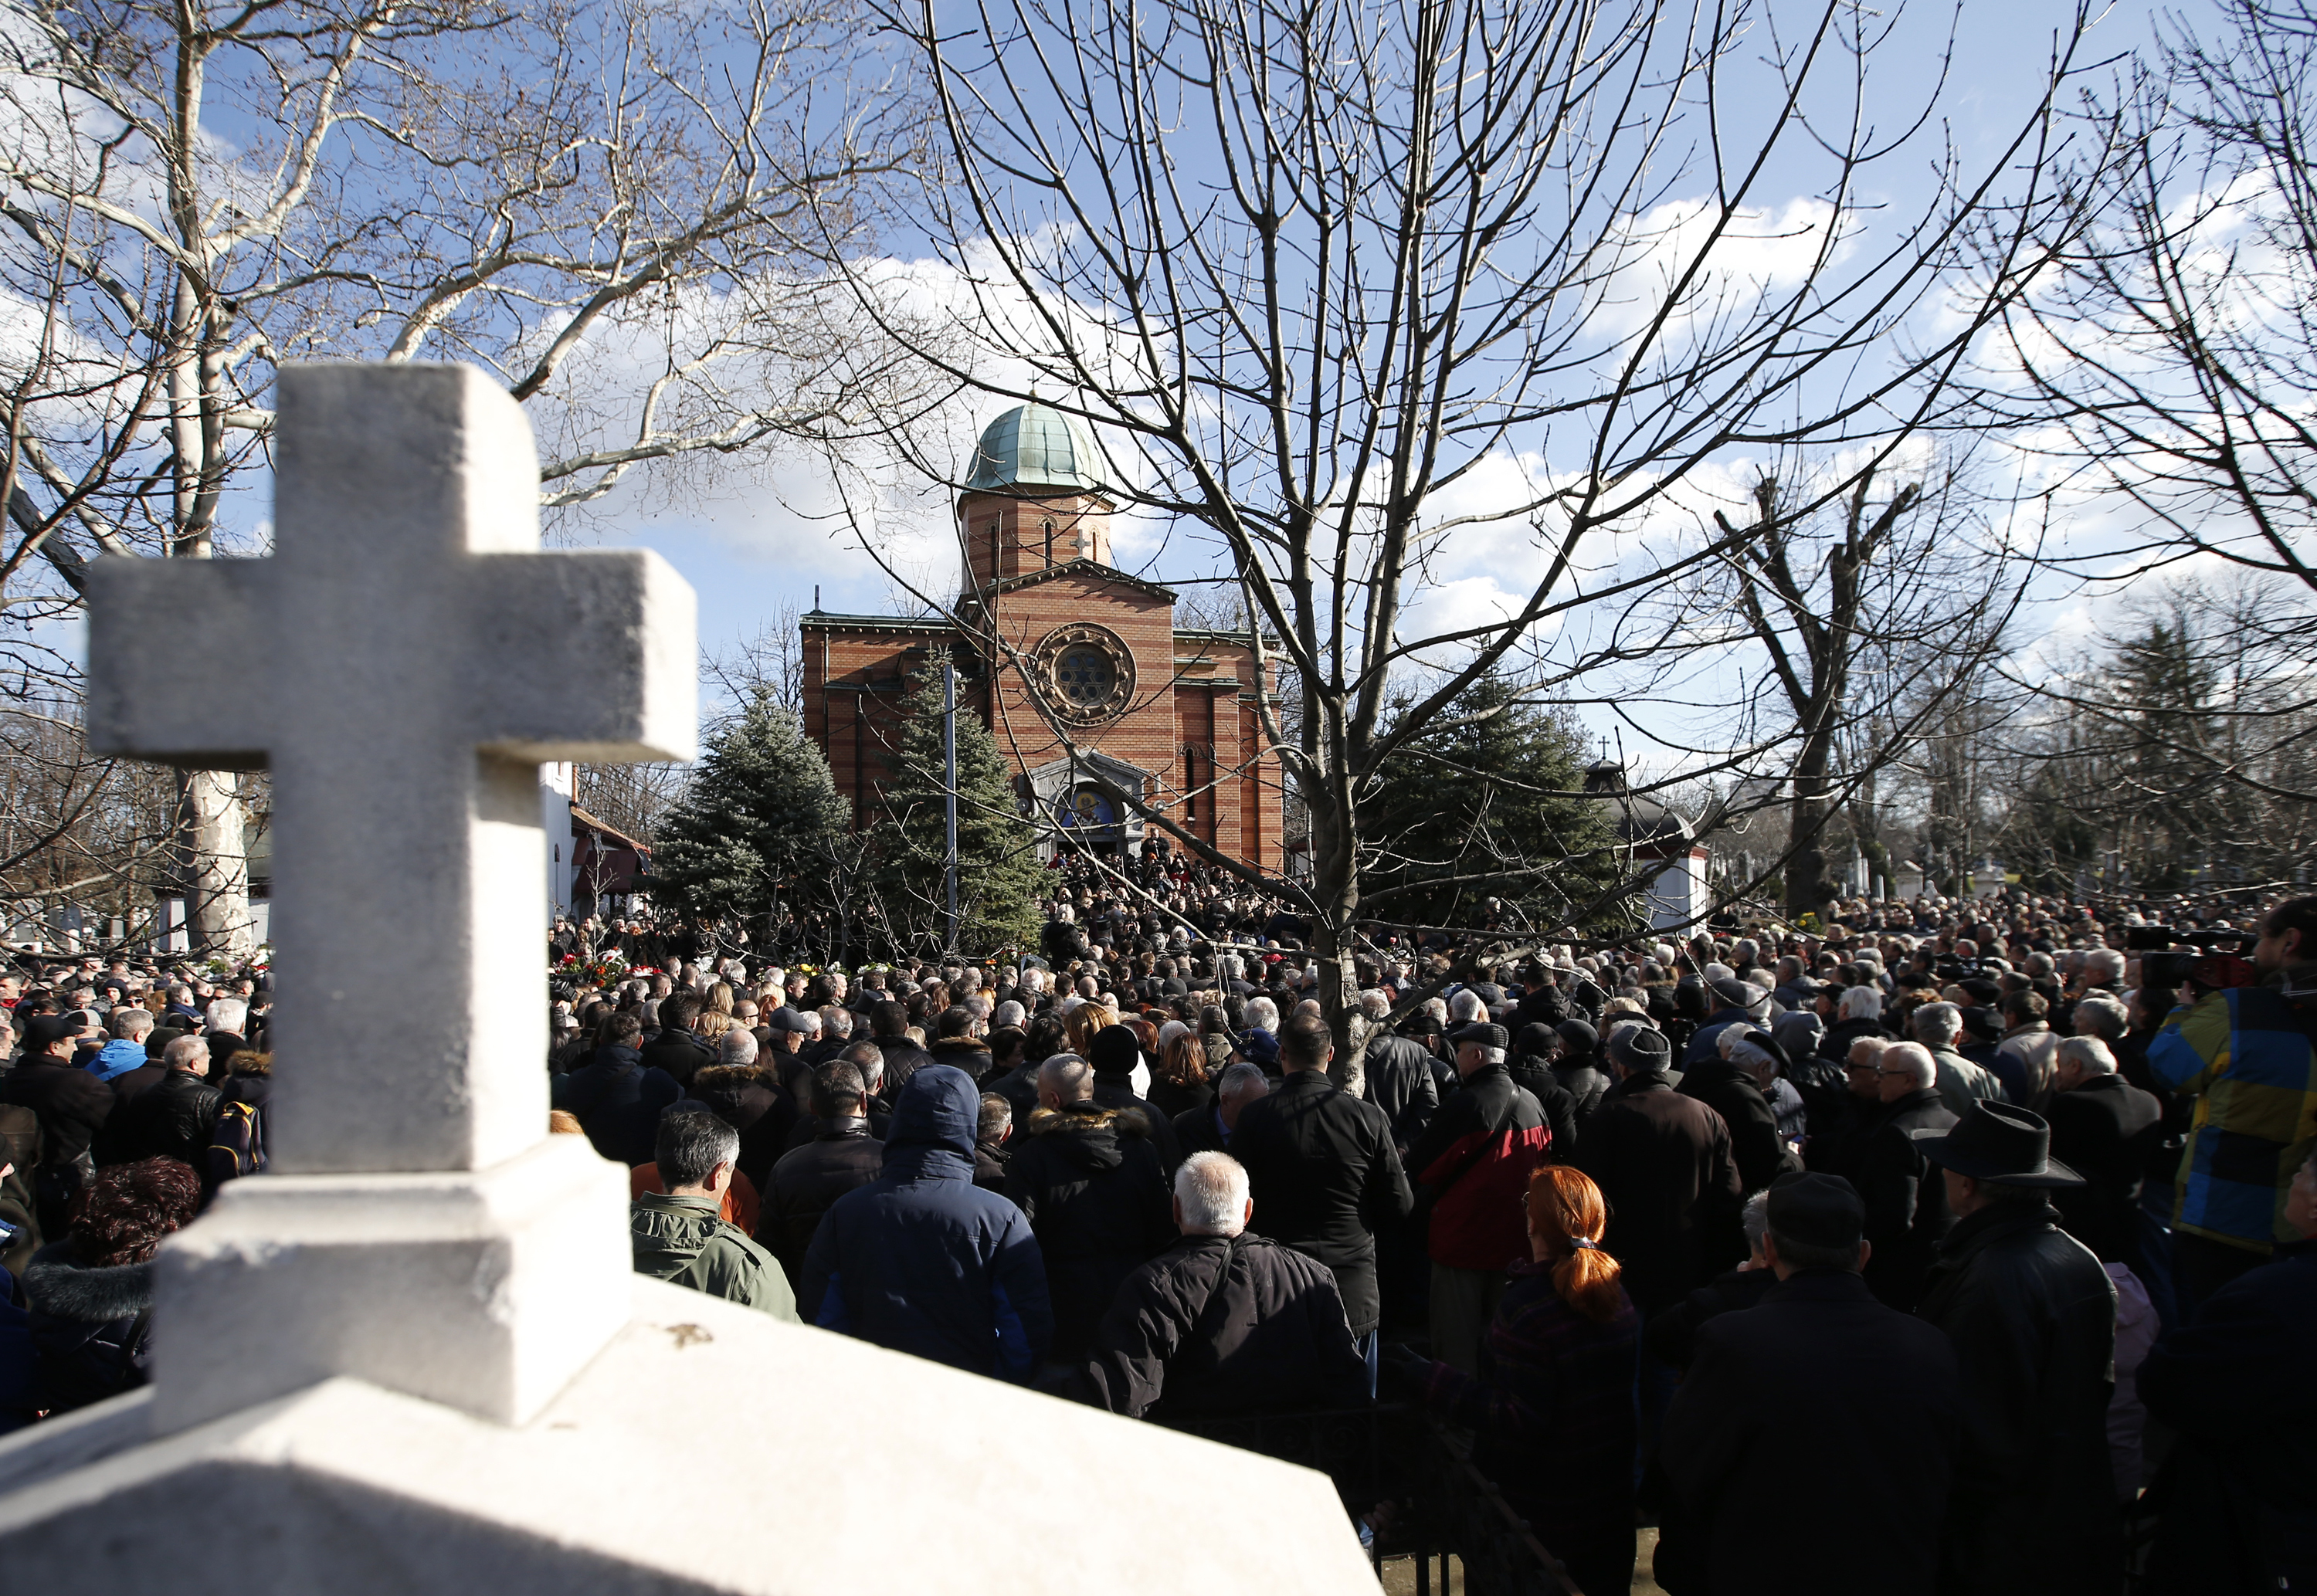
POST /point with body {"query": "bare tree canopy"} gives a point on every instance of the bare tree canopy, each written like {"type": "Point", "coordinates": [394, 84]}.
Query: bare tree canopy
{"type": "Point", "coordinates": [623, 210]}
{"type": "Point", "coordinates": [2167, 355]}
{"type": "Point", "coordinates": [1345, 290]}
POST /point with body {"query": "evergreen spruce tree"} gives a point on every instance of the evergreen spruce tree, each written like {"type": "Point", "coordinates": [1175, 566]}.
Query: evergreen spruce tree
{"type": "Point", "coordinates": [1462, 800]}
{"type": "Point", "coordinates": [756, 826]}
{"type": "Point", "coordinates": [998, 875]}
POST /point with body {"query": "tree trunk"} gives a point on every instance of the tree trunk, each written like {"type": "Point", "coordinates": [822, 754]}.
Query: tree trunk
{"type": "Point", "coordinates": [1806, 883]}
{"type": "Point", "coordinates": [1335, 880]}
{"type": "Point", "coordinates": [211, 819]}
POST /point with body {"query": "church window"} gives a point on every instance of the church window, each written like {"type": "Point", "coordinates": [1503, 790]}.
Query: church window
{"type": "Point", "coordinates": [1084, 676]}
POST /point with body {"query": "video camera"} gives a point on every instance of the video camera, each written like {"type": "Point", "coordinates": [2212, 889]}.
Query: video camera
{"type": "Point", "coordinates": [2164, 965]}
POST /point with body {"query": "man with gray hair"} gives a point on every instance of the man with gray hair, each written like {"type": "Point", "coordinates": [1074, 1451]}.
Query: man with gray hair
{"type": "Point", "coordinates": [1208, 1129]}
{"type": "Point", "coordinates": [1223, 1321]}
{"type": "Point", "coordinates": [221, 1023]}
{"type": "Point", "coordinates": [1962, 1082]}
{"type": "Point", "coordinates": [679, 1235]}
{"type": "Point", "coordinates": [2105, 1130]}
{"type": "Point", "coordinates": [1907, 1212]}
{"type": "Point", "coordinates": [2101, 1017]}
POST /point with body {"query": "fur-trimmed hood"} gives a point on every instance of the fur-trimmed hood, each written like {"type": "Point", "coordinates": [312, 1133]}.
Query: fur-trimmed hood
{"type": "Point", "coordinates": [58, 1285]}
{"type": "Point", "coordinates": [1088, 1133]}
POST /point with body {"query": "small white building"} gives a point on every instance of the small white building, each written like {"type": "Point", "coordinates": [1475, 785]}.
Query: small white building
{"type": "Point", "coordinates": [1655, 833]}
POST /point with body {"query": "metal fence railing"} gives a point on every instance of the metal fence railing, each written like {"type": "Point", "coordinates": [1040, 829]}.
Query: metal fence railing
{"type": "Point", "coordinates": [1394, 1453]}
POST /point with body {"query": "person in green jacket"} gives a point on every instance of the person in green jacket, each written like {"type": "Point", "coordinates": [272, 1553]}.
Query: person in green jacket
{"type": "Point", "coordinates": [678, 1235]}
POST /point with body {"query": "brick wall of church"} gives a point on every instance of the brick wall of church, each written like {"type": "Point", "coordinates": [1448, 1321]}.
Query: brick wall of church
{"type": "Point", "coordinates": [1190, 724]}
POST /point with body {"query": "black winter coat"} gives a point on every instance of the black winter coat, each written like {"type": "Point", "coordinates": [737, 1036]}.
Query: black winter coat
{"type": "Point", "coordinates": [805, 1185]}
{"type": "Point", "coordinates": [1905, 1198]}
{"type": "Point", "coordinates": [1097, 1199]}
{"type": "Point", "coordinates": [1663, 1162]}
{"type": "Point", "coordinates": [92, 1328]}
{"type": "Point", "coordinates": [965, 1053]}
{"type": "Point", "coordinates": [1198, 1132]}
{"type": "Point", "coordinates": [1760, 1155]}
{"type": "Point", "coordinates": [2032, 1318]}
{"type": "Point", "coordinates": [680, 1053]}
{"type": "Point", "coordinates": [1586, 1086]}
{"type": "Point", "coordinates": [1175, 1101]}
{"type": "Point", "coordinates": [72, 1104]}
{"type": "Point", "coordinates": [1399, 1081]}
{"type": "Point", "coordinates": [1835, 1045]}
{"type": "Point", "coordinates": [598, 1090]}
{"type": "Point", "coordinates": [2104, 1130]}
{"type": "Point", "coordinates": [1217, 1325]}
{"type": "Point", "coordinates": [1672, 1333]}
{"type": "Point", "coordinates": [175, 1119]}
{"type": "Point", "coordinates": [904, 1058]}
{"type": "Point", "coordinates": [1534, 1076]}
{"type": "Point", "coordinates": [1117, 1091]}
{"type": "Point", "coordinates": [2239, 1494]}
{"type": "Point", "coordinates": [1820, 1386]}
{"type": "Point", "coordinates": [1326, 1178]}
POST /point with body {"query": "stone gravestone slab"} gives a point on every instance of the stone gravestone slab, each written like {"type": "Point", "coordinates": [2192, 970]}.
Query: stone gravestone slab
{"type": "Point", "coordinates": [415, 1357]}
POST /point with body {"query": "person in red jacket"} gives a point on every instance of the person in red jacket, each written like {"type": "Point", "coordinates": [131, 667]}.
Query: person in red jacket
{"type": "Point", "coordinates": [1473, 1161]}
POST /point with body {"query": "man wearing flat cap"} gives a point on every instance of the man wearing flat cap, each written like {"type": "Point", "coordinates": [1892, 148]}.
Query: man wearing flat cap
{"type": "Point", "coordinates": [1473, 1162]}
{"type": "Point", "coordinates": [2032, 1316]}
{"type": "Point", "coordinates": [1819, 1389]}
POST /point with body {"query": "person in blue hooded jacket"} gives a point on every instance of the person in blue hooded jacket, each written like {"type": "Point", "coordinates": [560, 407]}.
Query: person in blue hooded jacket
{"type": "Point", "coordinates": [923, 1261]}
{"type": "Point", "coordinates": [126, 1050]}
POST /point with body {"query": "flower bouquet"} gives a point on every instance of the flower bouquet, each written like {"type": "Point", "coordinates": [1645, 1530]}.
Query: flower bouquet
{"type": "Point", "coordinates": [606, 969]}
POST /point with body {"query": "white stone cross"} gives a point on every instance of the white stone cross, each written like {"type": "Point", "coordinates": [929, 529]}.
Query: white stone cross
{"type": "Point", "coordinates": [402, 664]}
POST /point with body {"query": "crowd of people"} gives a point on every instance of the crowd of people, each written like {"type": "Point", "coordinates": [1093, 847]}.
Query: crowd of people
{"type": "Point", "coordinates": [128, 1096]}
{"type": "Point", "coordinates": [1962, 1214]}
{"type": "Point", "coordinates": [1991, 1233]}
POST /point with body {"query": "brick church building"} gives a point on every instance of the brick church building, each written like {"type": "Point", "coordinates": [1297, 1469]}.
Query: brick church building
{"type": "Point", "coordinates": [1162, 712]}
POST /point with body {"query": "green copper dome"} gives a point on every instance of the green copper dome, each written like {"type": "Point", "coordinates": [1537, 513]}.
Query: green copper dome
{"type": "Point", "coordinates": [1034, 447]}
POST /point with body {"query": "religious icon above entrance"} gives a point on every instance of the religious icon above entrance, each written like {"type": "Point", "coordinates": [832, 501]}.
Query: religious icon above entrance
{"type": "Point", "coordinates": [1088, 671]}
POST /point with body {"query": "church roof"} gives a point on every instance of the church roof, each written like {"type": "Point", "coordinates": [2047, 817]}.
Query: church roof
{"type": "Point", "coordinates": [1094, 570]}
{"type": "Point", "coordinates": [1036, 447]}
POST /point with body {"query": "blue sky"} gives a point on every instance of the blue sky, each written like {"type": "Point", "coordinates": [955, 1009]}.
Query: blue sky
{"type": "Point", "coordinates": [752, 543]}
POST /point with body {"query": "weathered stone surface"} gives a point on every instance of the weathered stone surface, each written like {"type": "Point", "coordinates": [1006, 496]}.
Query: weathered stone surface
{"type": "Point", "coordinates": [708, 1448]}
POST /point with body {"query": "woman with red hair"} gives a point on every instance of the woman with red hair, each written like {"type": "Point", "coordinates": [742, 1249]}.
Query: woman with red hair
{"type": "Point", "coordinates": [1552, 1404]}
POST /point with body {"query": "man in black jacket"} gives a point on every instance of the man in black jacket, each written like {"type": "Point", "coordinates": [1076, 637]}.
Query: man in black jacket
{"type": "Point", "coordinates": [2104, 1128]}
{"type": "Point", "coordinates": [1730, 1091]}
{"type": "Point", "coordinates": [177, 1117]}
{"type": "Point", "coordinates": [676, 1050]}
{"type": "Point", "coordinates": [1907, 1211]}
{"type": "Point", "coordinates": [889, 1028]}
{"type": "Point", "coordinates": [1664, 1162]}
{"type": "Point", "coordinates": [2240, 1490]}
{"type": "Point", "coordinates": [1818, 1384]}
{"type": "Point", "coordinates": [610, 1082]}
{"type": "Point", "coordinates": [1324, 1173]}
{"type": "Point", "coordinates": [2032, 1316]}
{"type": "Point", "coordinates": [1208, 1128]}
{"type": "Point", "coordinates": [1222, 1322]}
{"type": "Point", "coordinates": [71, 1104]}
{"type": "Point", "coordinates": [1091, 1183]}
{"type": "Point", "coordinates": [805, 1184]}
{"type": "Point", "coordinates": [1397, 1076]}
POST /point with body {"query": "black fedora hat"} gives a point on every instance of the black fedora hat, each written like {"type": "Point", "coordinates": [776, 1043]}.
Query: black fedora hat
{"type": "Point", "coordinates": [1998, 1142]}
